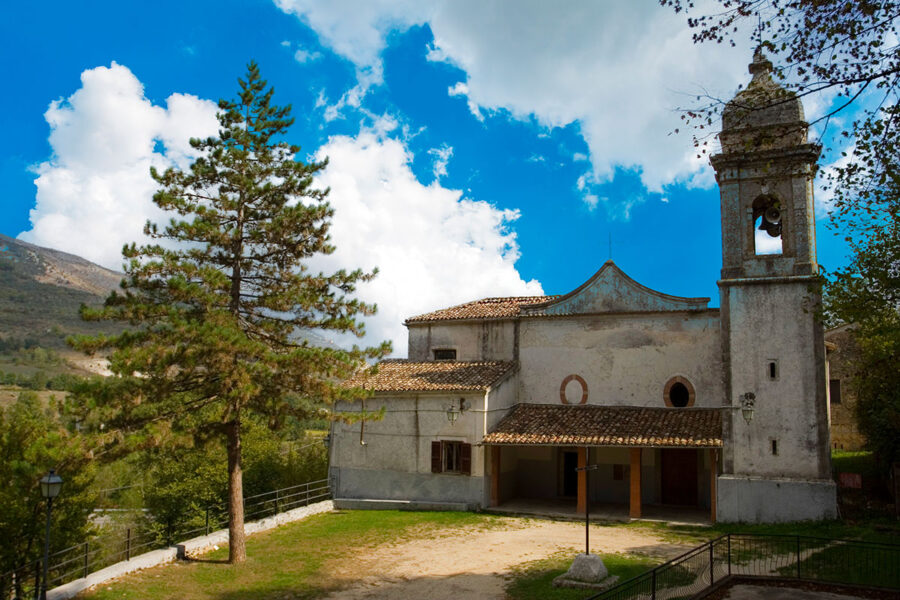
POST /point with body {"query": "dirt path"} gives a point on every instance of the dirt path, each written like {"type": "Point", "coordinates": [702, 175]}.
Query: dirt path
{"type": "Point", "coordinates": [474, 563]}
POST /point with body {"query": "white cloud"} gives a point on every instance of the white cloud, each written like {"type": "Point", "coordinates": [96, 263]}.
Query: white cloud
{"type": "Point", "coordinates": [433, 247]}
{"type": "Point", "coordinates": [618, 69]}
{"type": "Point", "coordinates": [357, 31]}
{"type": "Point", "coordinates": [823, 193]}
{"type": "Point", "coordinates": [305, 56]}
{"type": "Point", "coordinates": [441, 156]}
{"type": "Point", "coordinates": [95, 193]}
{"type": "Point", "coordinates": [461, 89]}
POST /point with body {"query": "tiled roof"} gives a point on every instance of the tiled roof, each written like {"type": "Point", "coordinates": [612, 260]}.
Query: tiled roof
{"type": "Point", "coordinates": [408, 376]}
{"type": "Point", "coordinates": [487, 308]}
{"type": "Point", "coordinates": [591, 425]}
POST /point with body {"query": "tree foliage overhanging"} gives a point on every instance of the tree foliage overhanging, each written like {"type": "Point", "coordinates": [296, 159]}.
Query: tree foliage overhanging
{"type": "Point", "coordinates": [849, 48]}
{"type": "Point", "coordinates": [217, 308]}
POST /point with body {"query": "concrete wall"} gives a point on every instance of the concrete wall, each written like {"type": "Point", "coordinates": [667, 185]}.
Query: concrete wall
{"type": "Point", "coordinates": [625, 359]}
{"type": "Point", "coordinates": [472, 340]}
{"type": "Point", "coordinates": [770, 322]}
{"type": "Point", "coordinates": [773, 500]}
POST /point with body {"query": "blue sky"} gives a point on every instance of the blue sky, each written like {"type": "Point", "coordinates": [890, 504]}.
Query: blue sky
{"type": "Point", "coordinates": [477, 148]}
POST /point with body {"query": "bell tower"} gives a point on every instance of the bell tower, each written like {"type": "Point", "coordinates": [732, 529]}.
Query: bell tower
{"type": "Point", "coordinates": [776, 460]}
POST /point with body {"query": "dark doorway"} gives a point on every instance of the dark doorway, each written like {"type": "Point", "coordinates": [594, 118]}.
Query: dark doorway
{"type": "Point", "coordinates": [679, 477]}
{"type": "Point", "coordinates": [570, 476]}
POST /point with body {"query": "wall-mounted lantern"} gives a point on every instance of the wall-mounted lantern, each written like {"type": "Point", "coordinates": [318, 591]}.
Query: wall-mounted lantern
{"type": "Point", "coordinates": [453, 411]}
{"type": "Point", "coordinates": [748, 403]}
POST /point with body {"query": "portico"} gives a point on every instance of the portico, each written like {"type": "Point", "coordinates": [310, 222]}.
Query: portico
{"type": "Point", "coordinates": [657, 457]}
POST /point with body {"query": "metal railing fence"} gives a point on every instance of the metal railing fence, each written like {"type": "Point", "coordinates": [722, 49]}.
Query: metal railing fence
{"type": "Point", "coordinates": [804, 558]}
{"type": "Point", "coordinates": [102, 551]}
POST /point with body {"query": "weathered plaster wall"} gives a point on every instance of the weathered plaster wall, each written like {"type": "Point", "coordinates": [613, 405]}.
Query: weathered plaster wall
{"type": "Point", "coordinates": [773, 500]}
{"type": "Point", "coordinates": [395, 461]}
{"type": "Point", "coordinates": [775, 322]}
{"type": "Point", "coordinates": [625, 359]}
{"type": "Point", "coordinates": [472, 340]}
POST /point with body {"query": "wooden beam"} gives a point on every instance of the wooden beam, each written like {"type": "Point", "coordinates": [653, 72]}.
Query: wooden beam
{"type": "Point", "coordinates": [713, 476]}
{"type": "Point", "coordinates": [582, 481]}
{"type": "Point", "coordinates": [495, 475]}
{"type": "Point", "coordinates": [634, 505]}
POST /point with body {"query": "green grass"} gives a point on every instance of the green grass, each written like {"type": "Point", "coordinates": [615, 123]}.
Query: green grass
{"type": "Point", "coordinates": [290, 562]}
{"type": "Point", "coordinates": [534, 580]}
{"type": "Point", "coordinates": [872, 530]}
{"type": "Point", "coordinates": [861, 462]}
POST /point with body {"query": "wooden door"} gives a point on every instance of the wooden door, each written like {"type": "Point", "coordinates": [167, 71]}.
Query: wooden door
{"type": "Point", "coordinates": [679, 477]}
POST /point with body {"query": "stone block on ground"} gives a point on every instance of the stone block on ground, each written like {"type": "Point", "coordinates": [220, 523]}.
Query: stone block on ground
{"type": "Point", "coordinates": [587, 572]}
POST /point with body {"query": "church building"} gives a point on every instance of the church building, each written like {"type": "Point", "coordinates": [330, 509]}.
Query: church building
{"type": "Point", "coordinates": [671, 403]}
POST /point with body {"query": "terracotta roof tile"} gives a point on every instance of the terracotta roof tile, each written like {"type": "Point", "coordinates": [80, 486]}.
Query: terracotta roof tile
{"type": "Point", "coordinates": [591, 425]}
{"type": "Point", "coordinates": [486, 308]}
{"type": "Point", "coordinates": [404, 375]}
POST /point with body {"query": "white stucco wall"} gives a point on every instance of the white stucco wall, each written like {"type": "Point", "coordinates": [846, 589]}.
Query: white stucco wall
{"type": "Point", "coordinates": [776, 322]}
{"type": "Point", "coordinates": [472, 340]}
{"type": "Point", "coordinates": [625, 359]}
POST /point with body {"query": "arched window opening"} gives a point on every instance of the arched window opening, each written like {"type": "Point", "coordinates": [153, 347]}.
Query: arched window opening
{"type": "Point", "coordinates": [767, 225]}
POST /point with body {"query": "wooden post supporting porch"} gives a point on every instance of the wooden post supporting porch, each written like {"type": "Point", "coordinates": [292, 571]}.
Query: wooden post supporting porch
{"type": "Point", "coordinates": [713, 476]}
{"type": "Point", "coordinates": [581, 505]}
{"type": "Point", "coordinates": [634, 504]}
{"type": "Point", "coordinates": [495, 475]}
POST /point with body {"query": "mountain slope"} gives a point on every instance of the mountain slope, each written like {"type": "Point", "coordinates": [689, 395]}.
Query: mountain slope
{"type": "Point", "coordinates": [41, 291]}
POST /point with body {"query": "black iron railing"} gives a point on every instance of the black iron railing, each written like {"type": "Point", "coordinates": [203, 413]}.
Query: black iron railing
{"type": "Point", "coordinates": [803, 558]}
{"type": "Point", "coordinates": [102, 551]}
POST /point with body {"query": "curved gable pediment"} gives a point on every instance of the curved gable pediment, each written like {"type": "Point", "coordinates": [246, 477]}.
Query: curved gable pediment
{"type": "Point", "coordinates": [610, 290]}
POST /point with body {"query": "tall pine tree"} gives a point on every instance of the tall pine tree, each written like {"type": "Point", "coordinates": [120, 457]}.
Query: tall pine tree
{"type": "Point", "coordinates": [216, 311]}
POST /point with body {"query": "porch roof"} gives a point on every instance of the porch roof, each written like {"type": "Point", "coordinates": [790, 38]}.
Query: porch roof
{"type": "Point", "coordinates": [592, 425]}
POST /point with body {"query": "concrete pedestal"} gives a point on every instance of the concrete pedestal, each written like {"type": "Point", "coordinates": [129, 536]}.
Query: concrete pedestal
{"type": "Point", "coordinates": [588, 572]}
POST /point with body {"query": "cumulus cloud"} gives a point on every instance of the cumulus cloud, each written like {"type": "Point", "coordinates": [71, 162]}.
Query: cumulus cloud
{"type": "Point", "coordinates": [95, 193]}
{"type": "Point", "coordinates": [618, 69]}
{"type": "Point", "coordinates": [434, 247]}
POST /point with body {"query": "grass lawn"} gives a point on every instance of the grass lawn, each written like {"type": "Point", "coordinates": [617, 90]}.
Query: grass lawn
{"type": "Point", "coordinates": [289, 562]}
{"type": "Point", "coordinates": [298, 560]}
{"type": "Point", "coordinates": [534, 580]}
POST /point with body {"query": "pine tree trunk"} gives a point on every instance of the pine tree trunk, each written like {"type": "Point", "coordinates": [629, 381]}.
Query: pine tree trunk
{"type": "Point", "coordinates": [237, 551]}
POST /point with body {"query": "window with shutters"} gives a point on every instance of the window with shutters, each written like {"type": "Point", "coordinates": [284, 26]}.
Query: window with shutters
{"type": "Point", "coordinates": [451, 457]}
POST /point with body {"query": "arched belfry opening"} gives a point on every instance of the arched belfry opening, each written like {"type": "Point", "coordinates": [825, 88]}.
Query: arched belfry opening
{"type": "Point", "coordinates": [767, 225]}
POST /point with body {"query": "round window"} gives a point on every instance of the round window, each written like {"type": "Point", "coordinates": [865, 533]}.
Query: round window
{"type": "Point", "coordinates": [678, 393]}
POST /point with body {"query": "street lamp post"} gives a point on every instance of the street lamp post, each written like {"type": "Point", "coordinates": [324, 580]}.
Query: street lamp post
{"type": "Point", "coordinates": [50, 486]}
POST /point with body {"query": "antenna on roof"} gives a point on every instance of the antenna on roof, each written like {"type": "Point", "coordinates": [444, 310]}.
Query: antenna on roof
{"type": "Point", "coordinates": [610, 245]}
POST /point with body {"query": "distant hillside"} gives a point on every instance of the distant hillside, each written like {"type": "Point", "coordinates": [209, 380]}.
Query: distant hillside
{"type": "Point", "coordinates": [41, 291]}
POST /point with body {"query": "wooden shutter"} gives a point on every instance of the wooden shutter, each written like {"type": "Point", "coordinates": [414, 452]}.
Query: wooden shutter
{"type": "Point", "coordinates": [436, 462]}
{"type": "Point", "coordinates": [465, 459]}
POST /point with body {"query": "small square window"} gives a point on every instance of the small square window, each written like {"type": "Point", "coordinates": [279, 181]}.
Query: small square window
{"type": "Point", "coordinates": [445, 354]}
{"type": "Point", "coordinates": [834, 391]}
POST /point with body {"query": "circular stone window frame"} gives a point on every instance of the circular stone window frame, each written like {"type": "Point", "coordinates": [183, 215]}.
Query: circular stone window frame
{"type": "Point", "coordinates": [568, 379]}
{"type": "Point", "coordinates": [668, 388]}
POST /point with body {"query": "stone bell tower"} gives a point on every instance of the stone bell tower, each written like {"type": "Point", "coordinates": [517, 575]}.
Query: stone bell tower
{"type": "Point", "coordinates": [776, 460]}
